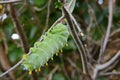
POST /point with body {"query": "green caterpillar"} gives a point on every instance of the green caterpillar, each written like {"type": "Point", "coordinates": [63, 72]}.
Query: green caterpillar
{"type": "Point", "coordinates": [42, 51]}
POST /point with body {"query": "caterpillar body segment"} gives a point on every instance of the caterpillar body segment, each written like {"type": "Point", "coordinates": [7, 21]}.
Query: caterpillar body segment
{"type": "Point", "coordinates": [42, 51]}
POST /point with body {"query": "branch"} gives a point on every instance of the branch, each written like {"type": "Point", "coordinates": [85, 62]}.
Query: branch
{"type": "Point", "coordinates": [70, 4]}
{"type": "Point", "coordinates": [105, 65]}
{"type": "Point", "coordinates": [41, 8]}
{"type": "Point", "coordinates": [73, 64]}
{"type": "Point", "coordinates": [110, 67]}
{"type": "Point", "coordinates": [81, 33]}
{"type": "Point", "coordinates": [76, 39]}
{"type": "Point", "coordinates": [19, 28]}
{"type": "Point", "coordinates": [109, 73]}
{"type": "Point", "coordinates": [63, 67]}
{"type": "Point", "coordinates": [4, 61]}
{"type": "Point", "coordinates": [10, 1]}
{"type": "Point", "coordinates": [103, 46]}
{"type": "Point", "coordinates": [75, 22]}
{"type": "Point", "coordinates": [12, 68]}
{"type": "Point", "coordinates": [58, 20]}
{"type": "Point", "coordinates": [52, 72]}
{"type": "Point", "coordinates": [47, 17]}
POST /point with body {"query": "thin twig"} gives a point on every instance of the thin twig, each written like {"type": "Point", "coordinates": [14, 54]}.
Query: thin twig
{"type": "Point", "coordinates": [41, 8]}
{"type": "Point", "coordinates": [73, 64]}
{"type": "Point", "coordinates": [110, 67]}
{"type": "Point", "coordinates": [105, 65]}
{"type": "Point", "coordinates": [47, 16]}
{"type": "Point", "coordinates": [19, 28]}
{"type": "Point", "coordinates": [81, 33]}
{"type": "Point", "coordinates": [103, 46]}
{"type": "Point", "coordinates": [52, 72]}
{"type": "Point", "coordinates": [76, 24]}
{"type": "Point", "coordinates": [12, 68]}
{"type": "Point", "coordinates": [63, 66]}
{"type": "Point", "coordinates": [58, 20]}
{"type": "Point", "coordinates": [109, 73]}
{"type": "Point", "coordinates": [10, 1]}
{"type": "Point", "coordinates": [111, 61]}
{"type": "Point", "coordinates": [76, 39]}
{"type": "Point", "coordinates": [22, 8]}
{"type": "Point", "coordinates": [70, 4]}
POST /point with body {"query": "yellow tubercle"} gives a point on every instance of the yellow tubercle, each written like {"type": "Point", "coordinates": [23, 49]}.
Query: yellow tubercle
{"type": "Point", "coordinates": [46, 64]}
{"type": "Point", "coordinates": [39, 69]}
{"type": "Point", "coordinates": [61, 50]}
{"type": "Point", "coordinates": [56, 54]}
{"type": "Point", "coordinates": [66, 45]}
{"type": "Point", "coordinates": [30, 72]}
{"type": "Point", "coordinates": [52, 58]}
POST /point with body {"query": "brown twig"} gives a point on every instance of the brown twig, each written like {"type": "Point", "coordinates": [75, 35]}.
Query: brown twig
{"type": "Point", "coordinates": [22, 8]}
{"type": "Point", "coordinates": [63, 66]}
{"type": "Point", "coordinates": [4, 41]}
{"type": "Point", "coordinates": [58, 20]}
{"type": "Point", "coordinates": [110, 67]}
{"type": "Point", "coordinates": [76, 39]}
{"type": "Point", "coordinates": [103, 46]}
{"type": "Point", "coordinates": [105, 65]}
{"type": "Point", "coordinates": [19, 28]}
{"type": "Point", "coordinates": [73, 64]}
{"type": "Point", "coordinates": [11, 1]}
{"type": "Point", "coordinates": [47, 16]}
{"type": "Point", "coordinates": [52, 72]}
{"type": "Point", "coordinates": [4, 60]}
{"type": "Point", "coordinates": [12, 68]}
{"type": "Point", "coordinates": [41, 8]}
{"type": "Point", "coordinates": [109, 73]}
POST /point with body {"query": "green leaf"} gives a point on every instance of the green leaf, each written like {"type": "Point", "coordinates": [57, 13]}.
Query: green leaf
{"type": "Point", "coordinates": [58, 5]}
